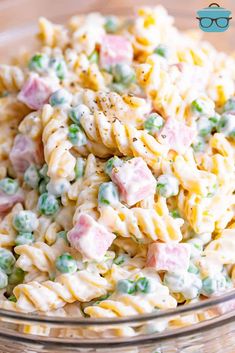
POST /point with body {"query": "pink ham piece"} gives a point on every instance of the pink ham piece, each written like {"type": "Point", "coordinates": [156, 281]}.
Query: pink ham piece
{"type": "Point", "coordinates": [90, 238]}
{"type": "Point", "coordinates": [134, 180]}
{"type": "Point", "coordinates": [25, 152]}
{"type": "Point", "coordinates": [8, 201]}
{"type": "Point", "coordinates": [168, 257]}
{"type": "Point", "coordinates": [176, 135]}
{"type": "Point", "coordinates": [115, 50]}
{"type": "Point", "coordinates": [36, 91]}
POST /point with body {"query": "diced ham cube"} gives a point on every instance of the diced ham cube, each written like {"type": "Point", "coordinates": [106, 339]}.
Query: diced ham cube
{"type": "Point", "coordinates": [168, 257]}
{"type": "Point", "coordinates": [176, 135]}
{"type": "Point", "coordinates": [115, 50]}
{"type": "Point", "coordinates": [134, 180]}
{"type": "Point", "coordinates": [8, 201]}
{"type": "Point", "coordinates": [25, 152]}
{"type": "Point", "coordinates": [90, 238]}
{"type": "Point", "coordinates": [36, 91]}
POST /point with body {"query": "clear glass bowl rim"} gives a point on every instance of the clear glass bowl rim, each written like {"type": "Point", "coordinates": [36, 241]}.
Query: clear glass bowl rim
{"type": "Point", "coordinates": [161, 337]}
{"type": "Point", "coordinates": [161, 314]}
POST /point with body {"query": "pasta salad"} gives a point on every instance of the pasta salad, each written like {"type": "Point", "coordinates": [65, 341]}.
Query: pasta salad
{"type": "Point", "coordinates": [117, 148]}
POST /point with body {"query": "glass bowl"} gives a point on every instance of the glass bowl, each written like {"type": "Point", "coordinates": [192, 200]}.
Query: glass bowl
{"type": "Point", "coordinates": [202, 327]}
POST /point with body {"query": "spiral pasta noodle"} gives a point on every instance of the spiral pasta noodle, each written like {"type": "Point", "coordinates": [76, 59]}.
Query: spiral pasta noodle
{"type": "Point", "coordinates": [122, 139]}
{"type": "Point", "coordinates": [124, 304]}
{"type": "Point", "coordinates": [87, 199]}
{"type": "Point", "coordinates": [82, 286]}
{"type": "Point", "coordinates": [7, 231]}
{"type": "Point", "coordinates": [128, 109]}
{"type": "Point", "coordinates": [143, 225]}
{"type": "Point", "coordinates": [57, 147]}
{"type": "Point", "coordinates": [11, 78]}
{"type": "Point", "coordinates": [39, 256]}
{"type": "Point", "coordinates": [52, 35]}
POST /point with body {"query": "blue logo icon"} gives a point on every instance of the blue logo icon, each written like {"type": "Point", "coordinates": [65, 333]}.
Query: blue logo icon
{"type": "Point", "coordinates": [214, 18]}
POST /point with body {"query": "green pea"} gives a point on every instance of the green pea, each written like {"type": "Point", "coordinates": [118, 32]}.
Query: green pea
{"type": "Point", "coordinates": [212, 190]}
{"type": "Point", "coordinates": [12, 298]}
{"type": "Point", "coordinates": [48, 204]}
{"type": "Point", "coordinates": [24, 238]}
{"type": "Point", "coordinates": [58, 187]}
{"type": "Point", "coordinates": [204, 126]}
{"type": "Point", "coordinates": [43, 171]}
{"type": "Point", "coordinates": [60, 97]}
{"type": "Point", "coordinates": [126, 286]}
{"type": "Point", "coordinates": [193, 269]}
{"type": "Point", "coordinates": [175, 214]}
{"type": "Point", "coordinates": [62, 235]}
{"type": "Point", "coordinates": [94, 57]}
{"type": "Point", "coordinates": [199, 145]}
{"type": "Point", "coordinates": [175, 281]}
{"type": "Point", "coordinates": [38, 63]}
{"type": "Point", "coordinates": [25, 221]}
{"type": "Point", "coordinates": [167, 185]}
{"type": "Point", "coordinates": [76, 113]}
{"type": "Point", "coordinates": [229, 105]}
{"type": "Point", "coordinates": [3, 280]}
{"type": "Point", "coordinates": [201, 107]}
{"type": "Point", "coordinates": [162, 50]}
{"type": "Point", "coordinates": [108, 194]}
{"type": "Point", "coordinates": [123, 73]}
{"type": "Point", "coordinates": [7, 261]}
{"type": "Point", "coordinates": [79, 167]}
{"type": "Point", "coordinates": [196, 246]}
{"type": "Point", "coordinates": [143, 285]}
{"type": "Point", "coordinates": [215, 120]}
{"type": "Point", "coordinates": [118, 87]}
{"type": "Point", "coordinates": [76, 135]}
{"type": "Point", "coordinates": [112, 163]}
{"type": "Point", "coordinates": [213, 285]}
{"type": "Point", "coordinates": [32, 177]}
{"type": "Point", "coordinates": [111, 24]}
{"type": "Point", "coordinates": [17, 276]}
{"type": "Point", "coordinates": [42, 187]}
{"type": "Point", "coordinates": [226, 125]}
{"type": "Point", "coordinates": [153, 123]}
{"type": "Point", "coordinates": [197, 106]}
{"type": "Point", "coordinates": [66, 263]}
{"type": "Point", "coordinates": [9, 186]}
{"type": "Point", "coordinates": [60, 67]}
{"type": "Point", "coordinates": [223, 123]}
{"type": "Point", "coordinates": [119, 260]}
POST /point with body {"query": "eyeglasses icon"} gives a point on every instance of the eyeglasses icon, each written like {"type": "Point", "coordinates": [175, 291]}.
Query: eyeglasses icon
{"type": "Point", "coordinates": [207, 22]}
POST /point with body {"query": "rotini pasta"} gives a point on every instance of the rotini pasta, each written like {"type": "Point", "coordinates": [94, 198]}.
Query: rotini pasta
{"type": "Point", "coordinates": [82, 286]}
{"type": "Point", "coordinates": [128, 305]}
{"type": "Point", "coordinates": [122, 139]}
{"type": "Point", "coordinates": [57, 147]}
{"type": "Point", "coordinates": [11, 78]}
{"type": "Point", "coordinates": [40, 256]}
{"type": "Point", "coordinates": [117, 173]}
{"type": "Point", "coordinates": [143, 225]}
